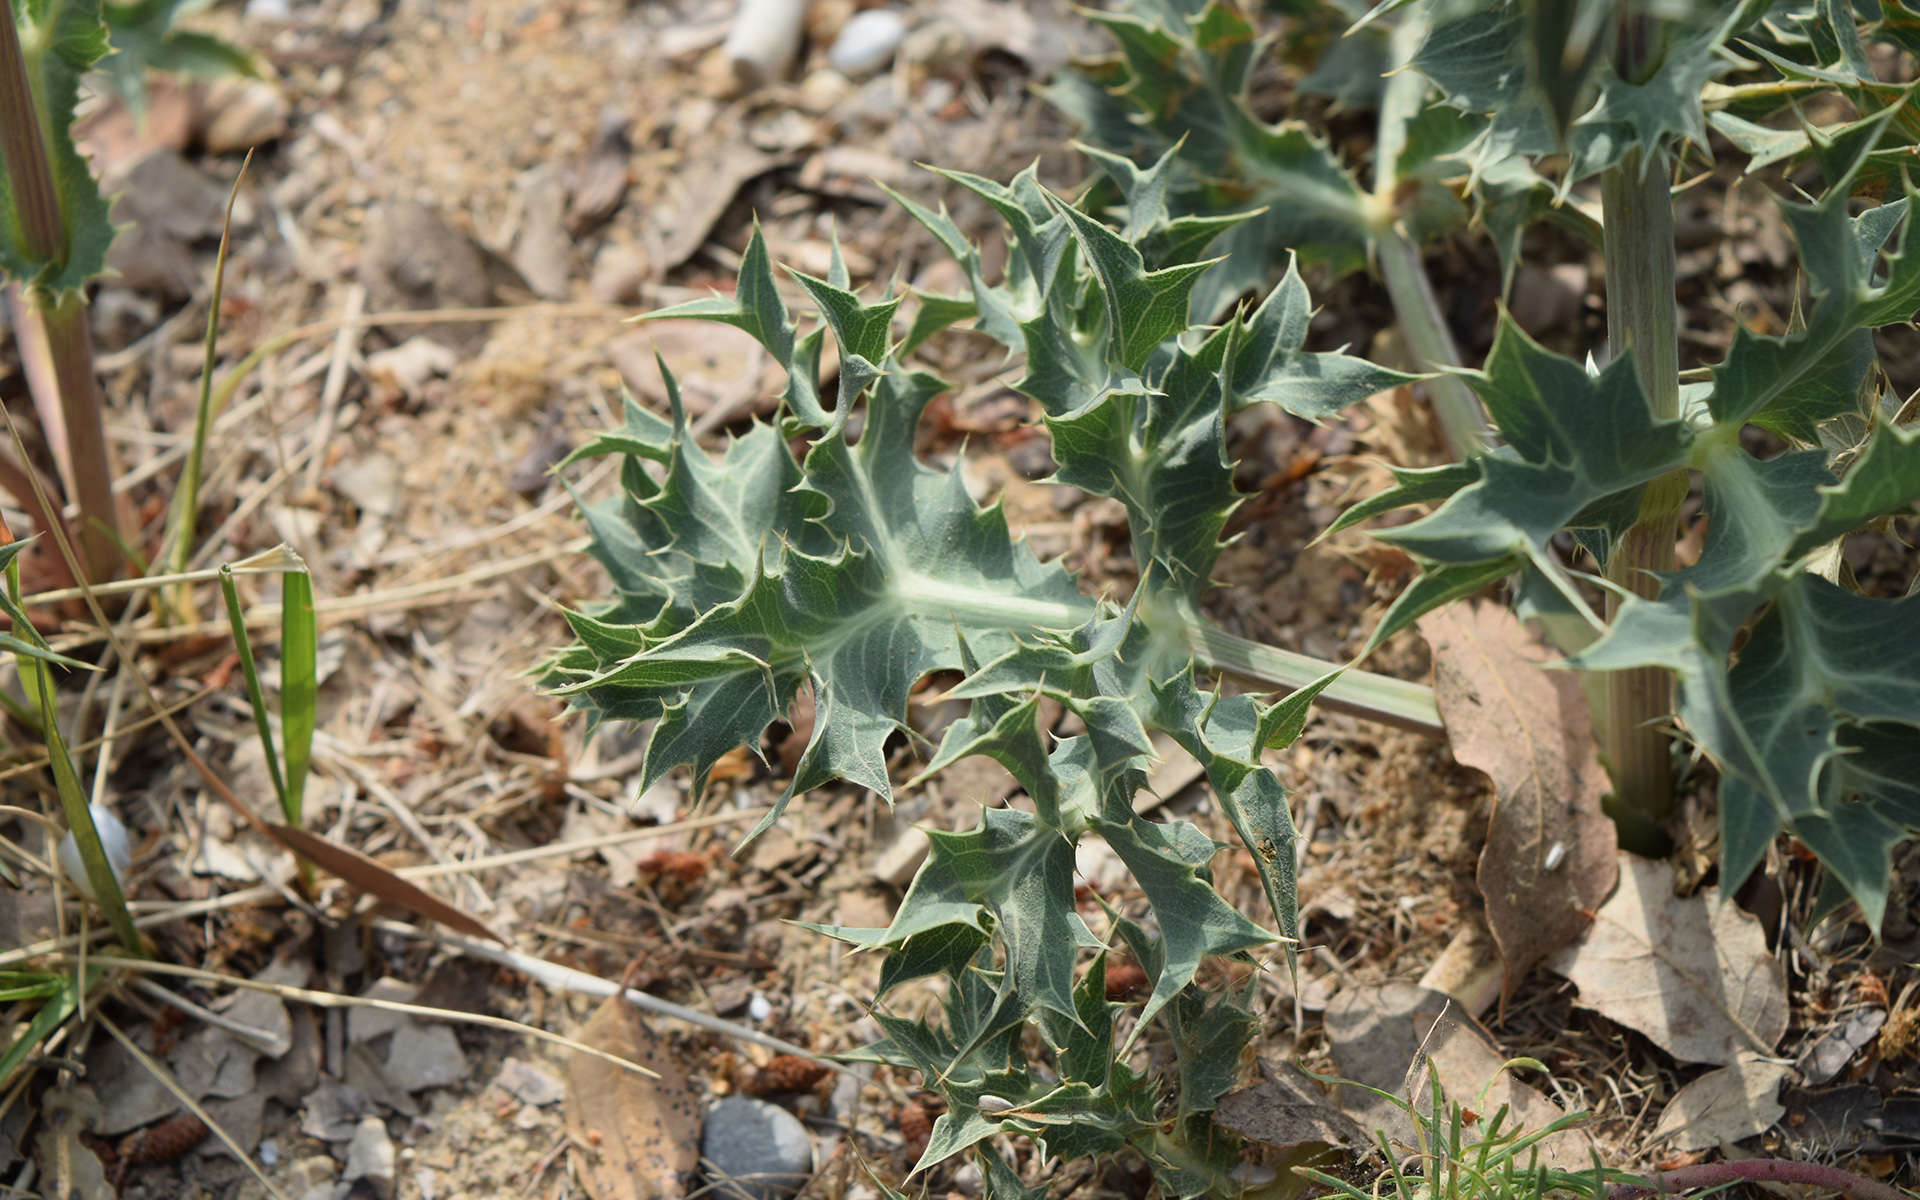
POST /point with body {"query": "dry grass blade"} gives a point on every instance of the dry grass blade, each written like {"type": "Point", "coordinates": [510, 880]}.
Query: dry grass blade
{"type": "Point", "coordinates": [370, 877]}
{"type": "Point", "coordinates": [332, 1000]}
{"type": "Point", "coordinates": [568, 979]}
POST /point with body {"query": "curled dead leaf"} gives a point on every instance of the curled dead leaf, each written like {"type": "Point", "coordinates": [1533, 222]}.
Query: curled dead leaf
{"type": "Point", "coordinates": [1549, 858]}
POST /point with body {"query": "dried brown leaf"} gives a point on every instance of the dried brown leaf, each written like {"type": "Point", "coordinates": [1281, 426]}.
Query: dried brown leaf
{"type": "Point", "coordinates": [1390, 1037]}
{"type": "Point", "coordinates": [1727, 1105]}
{"type": "Point", "coordinates": [1549, 859]}
{"type": "Point", "coordinates": [1288, 1111]}
{"type": "Point", "coordinates": [691, 198]}
{"type": "Point", "coordinates": [639, 1139]}
{"type": "Point", "coordinates": [1691, 973]}
{"type": "Point", "coordinates": [370, 877]}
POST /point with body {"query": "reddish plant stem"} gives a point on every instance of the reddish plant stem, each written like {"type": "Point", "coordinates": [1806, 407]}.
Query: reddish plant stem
{"type": "Point", "coordinates": [25, 155]}
{"type": "Point", "coordinates": [1760, 1170]}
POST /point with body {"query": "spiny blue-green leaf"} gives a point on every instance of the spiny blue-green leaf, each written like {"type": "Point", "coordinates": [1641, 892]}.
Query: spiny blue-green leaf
{"type": "Point", "coordinates": [1226, 736]}
{"type": "Point", "coordinates": [1195, 923]}
{"type": "Point", "coordinates": [1083, 1049]}
{"type": "Point", "coordinates": [1267, 363]}
{"type": "Point", "coordinates": [1144, 308]}
{"type": "Point", "coordinates": [1412, 485]}
{"type": "Point", "coordinates": [1576, 440]}
{"type": "Point", "coordinates": [1040, 237]}
{"type": "Point", "coordinates": [1164, 458]}
{"type": "Point", "coordinates": [864, 331]}
{"type": "Point", "coordinates": [1791, 383]}
{"type": "Point", "coordinates": [144, 38]}
{"type": "Point", "coordinates": [1073, 1121]}
{"type": "Point", "coordinates": [1144, 190]}
{"type": "Point", "coordinates": [1003, 1182]}
{"type": "Point", "coordinates": [1481, 61]}
{"type": "Point", "coordinates": [694, 540]}
{"type": "Point", "coordinates": [1184, 82]}
{"type": "Point", "coordinates": [1208, 1036]}
{"type": "Point", "coordinates": [1797, 724]}
{"type": "Point", "coordinates": [60, 42]}
{"type": "Point", "coordinates": [934, 313]}
{"type": "Point", "coordinates": [856, 582]}
{"type": "Point", "coordinates": [994, 306]}
{"type": "Point", "coordinates": [756, 308]}
{"type": "Point", "coordinates": [1022, 870]}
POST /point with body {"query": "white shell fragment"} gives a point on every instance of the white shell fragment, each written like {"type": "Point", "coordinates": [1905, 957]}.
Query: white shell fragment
{"type": "Point", "coordinates": [867, 42]}
{"type": "Point", "coordinates": [113, 839]}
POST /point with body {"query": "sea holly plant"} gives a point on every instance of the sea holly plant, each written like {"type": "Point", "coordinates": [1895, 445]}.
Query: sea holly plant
{"type": "Point", "coordinates": [1800, 688]}
{"type": "Point", "coordinates": [854, 570]}
{"type": "Point", "coordinates": [1177, 95]}
{"type": "Point", "coordinates": [54, 229]}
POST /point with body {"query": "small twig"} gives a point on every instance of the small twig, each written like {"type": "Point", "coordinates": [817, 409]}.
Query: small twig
{"type": "Point", "coordinates": [567, 979]}
{"type": "Point", "coordinates": [1759, 1170]}
{"type": "Point", "coordinates": [260, 1039]}
{"type": "Point", "coordinates": [345, 345]}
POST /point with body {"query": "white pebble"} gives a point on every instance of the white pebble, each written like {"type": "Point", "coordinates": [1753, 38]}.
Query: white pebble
{"type": "Point", "coordinates": [867, 42]}
{"type": "Point", "coordinates": [113, 839]}
{"type": "Point", "coordinates": [758, 1008]}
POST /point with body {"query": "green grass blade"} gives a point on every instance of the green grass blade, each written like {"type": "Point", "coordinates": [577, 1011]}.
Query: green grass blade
{"type": "Point", "coordinates": [56, 1010]}
{"type": "Point", "coordinates": [187, 506]}
{"type": "Point", "coordinates": [73, 800]}
{"type": "Point", "coordinates": [256, 696]}
{"type": "Point", "coordinates": [299, 683]}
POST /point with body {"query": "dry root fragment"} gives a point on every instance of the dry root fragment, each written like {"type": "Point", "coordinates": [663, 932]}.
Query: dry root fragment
{"type": "Point", "coordinates": [916, 1127]}
{"type": "Point", "coordinates": [164, 1142]}
{"type": "Point", "coordinates": [786, 1073]}
{"type": "Point", "coordinates": [1125, 980]}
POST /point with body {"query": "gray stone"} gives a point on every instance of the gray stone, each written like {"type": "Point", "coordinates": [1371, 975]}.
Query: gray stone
{"type": "Point", "coordinates": [423, 1057]}
{"type": "Point", "coordinates": [370, 1156]}
{"type": "Point", "coordinates": [366, 1023]}
{"type": "Point", "coordinates": [242, 1117]}
{"type": "Point", "coordinates": [213, 1062]}
{"type": "Point", "coordinates": [313, 1178]}
{"type": "Point", "coordinates": [754, 1150]}
{"type": "Point", "coordinates": [529, 1084]}
{"type": "Point", "coordinates": [334, 1111]}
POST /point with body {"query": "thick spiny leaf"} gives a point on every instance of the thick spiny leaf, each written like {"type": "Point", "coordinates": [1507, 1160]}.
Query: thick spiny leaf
{"type": "Point", "coordinates": [143, 39]}
{"type": "Point", "coordinates": [1799, 723]}
{"type": "Point", "coordinates": [1576, 441]}
{"type": "Point", "coordinates": [1792, 383]}
{"type": "Point", "coordinates": [1195, 923]}
{"type": "Point", "coordinates": [1182, 82]}
{"type": "Point", "coordinates": [1021, 870]}
{"type": "Point", "coordinates": [1483, 63]}
{"type": "Point", "coordinates": [60, 43]}
{"type": "Point", "coordinates": [856, 582]}
{"type": "Point", "coordinates": [757, 309]}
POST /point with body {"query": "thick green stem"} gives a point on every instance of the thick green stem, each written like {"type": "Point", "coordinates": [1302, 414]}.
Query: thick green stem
{"type": "Point", "coordinates": [1357, 693]}
{"type": "Point", "coordinates": [53, 328]}
{"type": "Point", "coordinates": [86, 467]}
{"type": "Point", "coordinates": [1415, 306]}
{"type": "Point", "coordinates": [1642, 323]}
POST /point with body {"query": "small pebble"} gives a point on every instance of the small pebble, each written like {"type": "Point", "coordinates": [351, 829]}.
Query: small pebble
{"type": "Point", "coordinates": [755, 1150]}
{"type": "Point", "coordinates": [370, 1156]}
{"type": "Point", "coordinates": [867, 42]}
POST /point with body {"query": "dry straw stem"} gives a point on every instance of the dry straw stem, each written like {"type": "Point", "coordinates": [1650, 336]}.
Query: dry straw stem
{"type": "Point", "coordinates": [331, 1000]}
{"type": "Point", "coordinates": [154, 913]}
{"type": "Point", "coordinates": [567, 979]}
